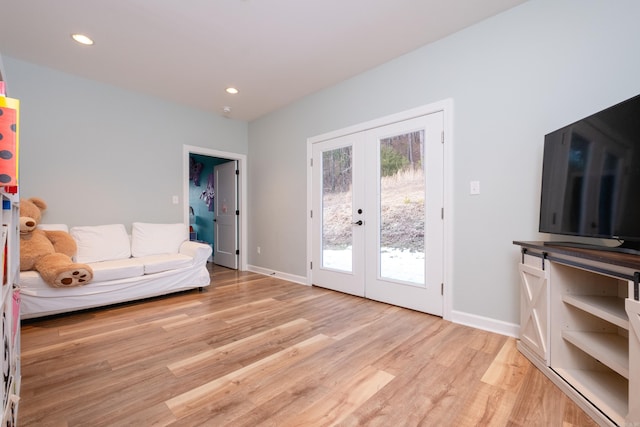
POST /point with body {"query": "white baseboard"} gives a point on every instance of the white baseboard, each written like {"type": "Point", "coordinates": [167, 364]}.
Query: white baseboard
{"type": "Point", "coordinates": [486, 323]}
{"type": "Point", "coordinates": [280, 275]}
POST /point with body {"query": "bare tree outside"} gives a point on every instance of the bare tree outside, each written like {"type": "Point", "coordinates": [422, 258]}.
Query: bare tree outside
{"type": "Point", "coordinates": [402, 191]}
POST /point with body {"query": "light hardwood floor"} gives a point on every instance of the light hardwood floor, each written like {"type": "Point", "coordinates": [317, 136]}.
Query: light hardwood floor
{"type": "Point", "coordinates": [259, 351]}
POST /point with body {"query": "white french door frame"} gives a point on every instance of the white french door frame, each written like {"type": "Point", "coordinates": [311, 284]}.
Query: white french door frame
{"type": "Point", "coordinates": [446, 107]}
{"type": "Point", "coordinates": [242, 190]}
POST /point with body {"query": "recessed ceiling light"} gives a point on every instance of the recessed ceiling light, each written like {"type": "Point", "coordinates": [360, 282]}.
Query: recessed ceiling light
{"type": "Point", "coordinates": [82, 39]}
{"type": "Point", "coordinates": [232, 90]}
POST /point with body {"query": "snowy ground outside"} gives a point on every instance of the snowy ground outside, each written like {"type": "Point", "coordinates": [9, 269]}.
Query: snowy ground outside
{"type": "Point", "coordinates": [396, 264]}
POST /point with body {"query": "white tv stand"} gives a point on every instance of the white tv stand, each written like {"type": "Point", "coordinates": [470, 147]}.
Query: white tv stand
{"type": "Point", "coordinates": [580, 325]}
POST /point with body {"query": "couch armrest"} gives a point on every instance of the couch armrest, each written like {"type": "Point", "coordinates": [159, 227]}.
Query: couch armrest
{"type": "Point", "coordinates": [200, 252]}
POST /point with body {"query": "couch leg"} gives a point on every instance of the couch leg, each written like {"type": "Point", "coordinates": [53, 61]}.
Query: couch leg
{"type": "Point", "coordinates": [201, 288]}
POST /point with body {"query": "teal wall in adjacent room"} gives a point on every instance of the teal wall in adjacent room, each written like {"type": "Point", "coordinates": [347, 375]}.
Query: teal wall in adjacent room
{"type": "Point", "coordinates": [202, 221]}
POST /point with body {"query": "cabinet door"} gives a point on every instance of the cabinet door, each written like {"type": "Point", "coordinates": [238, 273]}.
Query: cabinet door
{"type": "Point", "coordinates": [633, 311]}
{"type": "Point", "coordinates": [534, 308]}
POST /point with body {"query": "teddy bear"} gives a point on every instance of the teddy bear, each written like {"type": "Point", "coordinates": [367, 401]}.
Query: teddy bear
{"type": "Point", "coordinates": [48, 252]}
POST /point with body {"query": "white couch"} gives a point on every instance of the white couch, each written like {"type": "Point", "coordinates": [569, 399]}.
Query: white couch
{"type": "Point", "coordinates": [155, 259]}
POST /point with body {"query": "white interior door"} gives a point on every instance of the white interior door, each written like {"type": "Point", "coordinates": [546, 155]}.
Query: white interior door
{"type": "Point", "coordinates": [377, 205]}
{"type": "Point", "coordinates": [226, 215]}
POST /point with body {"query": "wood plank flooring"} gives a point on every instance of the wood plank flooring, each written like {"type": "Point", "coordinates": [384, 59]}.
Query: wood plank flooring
{"type": "Point", "coordinates": [258, 351]}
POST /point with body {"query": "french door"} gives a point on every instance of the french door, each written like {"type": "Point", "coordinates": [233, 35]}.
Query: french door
{"type": "Point", "coordinates": [377, 213]}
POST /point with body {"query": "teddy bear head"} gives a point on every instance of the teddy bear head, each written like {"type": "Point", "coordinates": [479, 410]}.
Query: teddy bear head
{"type": "Point", "coordinates": [31, 213]}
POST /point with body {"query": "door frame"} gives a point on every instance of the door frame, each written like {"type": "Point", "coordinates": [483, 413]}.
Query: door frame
{"type": "Point", "coordinates": [446, 106]}
{"type": "Point", "coordinates": [242, 190]}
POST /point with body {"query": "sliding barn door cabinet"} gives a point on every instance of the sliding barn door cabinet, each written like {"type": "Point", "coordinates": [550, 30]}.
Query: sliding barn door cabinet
{"type": "Point", "coordinates": [580, 325]}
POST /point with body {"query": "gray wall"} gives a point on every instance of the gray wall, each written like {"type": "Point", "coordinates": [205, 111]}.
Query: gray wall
{"type": "Point", "coordinates": [513, 78]}
{"type": "Point", "coordinates": [98, 154]}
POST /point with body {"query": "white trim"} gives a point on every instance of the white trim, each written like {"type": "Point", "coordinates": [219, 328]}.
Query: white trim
{"type": "Point", "coordinates": [280, 275]}
{"type": "Point", "coordinates": [486, 324]}
{"type": "Point", "coordinates": [446, 106]}
{"type": "Point", "coordinates": [424, 110]}
{"type": "Point", "coordinates": [242, 187]}
{"type": "Point", "coordinates": [309, 209]}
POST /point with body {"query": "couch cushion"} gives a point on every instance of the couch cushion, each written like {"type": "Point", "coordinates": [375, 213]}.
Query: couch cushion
{"type": "Point", "coordinates": [101, 243]}
{"type": "Point", "coordinates": [31, 280]}
{"type": "Point", "coordinates": [156, 239]}
{"type": "Point", "coordinates": [164, 262]}
{"type": "Point", "coordinates": [116, 269]}
{"type": "Point", "coordinates": [104, 271]}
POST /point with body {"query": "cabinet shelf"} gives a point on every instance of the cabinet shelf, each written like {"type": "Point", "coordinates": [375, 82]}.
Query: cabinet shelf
{"type": "Point", "coordinates": [607, 392]}
{"type": "Point", "coordinates": [609, 349]}
{"type": "Point", "coordinates": [609, 308]}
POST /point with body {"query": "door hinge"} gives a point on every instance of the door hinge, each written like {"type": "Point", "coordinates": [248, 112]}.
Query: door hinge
{"type": "Point", "coordinates": [442, 137]}
{"type": "Point", "coordinates": [237, 251]}
{"type": "Point", "coordinates": [311, 162]}
{"type": "Point", "coordinates": [311, 265]}
{"type": "Point", "coordinates": [311, 213]}
{"type": "Point", "coordinates": [237, 171]}
{"type": "Point", "coordinates": [237, 212]}
{"type": "Point", "coordinates": [441, 213]}
{"type": "Point", "coordinates": [441, 288]}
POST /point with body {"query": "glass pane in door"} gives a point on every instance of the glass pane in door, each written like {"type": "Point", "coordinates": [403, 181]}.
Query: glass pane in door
{"type": "Point", "coordinates": [402, 208]}
{"type": "Point", "coordinates": [337, 204]}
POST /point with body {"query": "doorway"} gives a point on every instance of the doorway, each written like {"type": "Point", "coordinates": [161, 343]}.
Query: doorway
{"type": "Point", "coordinates": [377, 201]}
{"type": "Point", "coordinates": [203, 197]}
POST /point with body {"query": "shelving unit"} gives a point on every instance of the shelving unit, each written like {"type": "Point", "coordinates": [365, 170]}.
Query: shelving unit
{"type": "Point", "coordinates": [593, 341]}
{"type": "Point", "coordinates": [10, 303]}
{"type": "Point", "coordinates": [10, 255]}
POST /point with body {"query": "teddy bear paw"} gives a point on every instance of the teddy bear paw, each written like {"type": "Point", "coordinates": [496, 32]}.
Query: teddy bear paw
{"type": "Point", "coordinates": [75, 277]}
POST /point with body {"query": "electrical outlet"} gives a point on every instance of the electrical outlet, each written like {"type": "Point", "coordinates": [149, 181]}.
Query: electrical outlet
{"type": "Point", "coordinates": [174, 199]}
{"type": "Point", "coordinates": [258, 250]}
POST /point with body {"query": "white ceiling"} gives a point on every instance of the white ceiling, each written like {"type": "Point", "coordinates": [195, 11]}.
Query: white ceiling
{"type": "Point", "coordinates": [189, 51]}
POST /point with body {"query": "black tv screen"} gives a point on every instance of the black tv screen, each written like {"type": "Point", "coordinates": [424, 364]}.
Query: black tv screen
{"type": "Point", "coordinates": [591, 176]}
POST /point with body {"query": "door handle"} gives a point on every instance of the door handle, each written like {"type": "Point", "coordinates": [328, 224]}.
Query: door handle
{"type": "Point", "coordinates": [359, 222]}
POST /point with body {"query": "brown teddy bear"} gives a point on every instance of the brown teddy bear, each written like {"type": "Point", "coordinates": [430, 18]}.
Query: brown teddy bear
{"type": "Point", "coordinates": [48, 252]}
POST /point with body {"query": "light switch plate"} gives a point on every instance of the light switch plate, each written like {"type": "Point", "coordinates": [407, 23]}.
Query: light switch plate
{"type": "Point", "coordinates": [474, 187]}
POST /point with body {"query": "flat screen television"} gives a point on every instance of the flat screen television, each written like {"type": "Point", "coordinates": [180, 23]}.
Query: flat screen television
{"type": "Point", "coordinates": [591, 178]}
